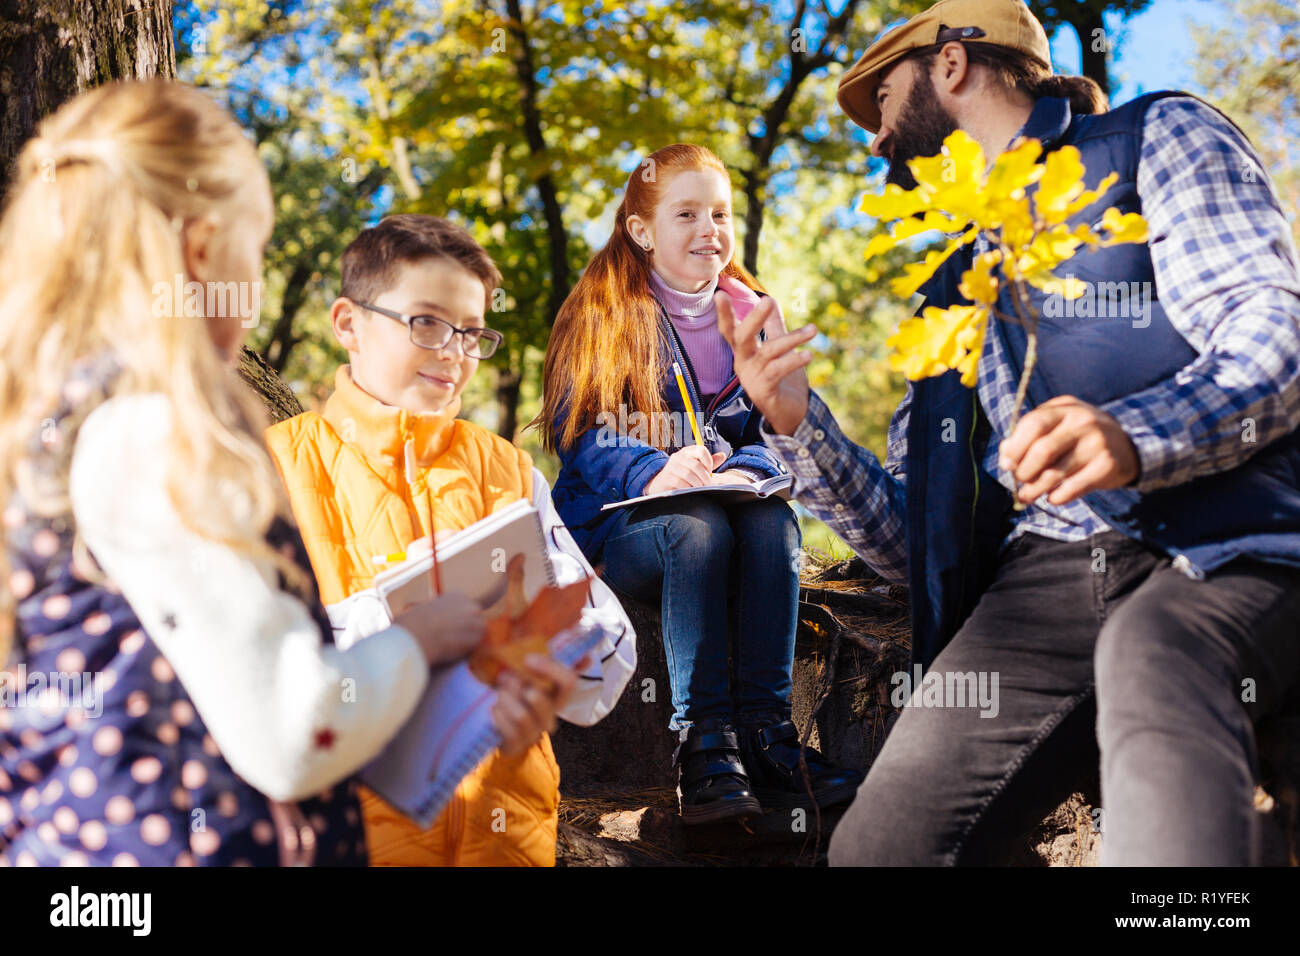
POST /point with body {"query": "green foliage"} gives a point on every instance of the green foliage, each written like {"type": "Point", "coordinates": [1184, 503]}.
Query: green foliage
{"type": "Point", "coordinates": [362, 107]}
{"type": "Point", "coordinates": [253, 56]}
{"type": "Point", "coordinates": [1250, 68]}
{"type": "Point", "coordinates": [813, 264]}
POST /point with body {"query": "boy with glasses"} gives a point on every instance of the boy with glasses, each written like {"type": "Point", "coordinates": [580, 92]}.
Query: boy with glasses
{"type": "Point", "coordinates": [386, 462]}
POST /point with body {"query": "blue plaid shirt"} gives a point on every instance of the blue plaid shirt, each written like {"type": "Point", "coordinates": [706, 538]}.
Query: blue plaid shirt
{"type": "Point", "coordinates": [1227, 275]}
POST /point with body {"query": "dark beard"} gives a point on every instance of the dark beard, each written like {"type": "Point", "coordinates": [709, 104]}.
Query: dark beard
{"type": "Point", "coordinates": [922, 127]}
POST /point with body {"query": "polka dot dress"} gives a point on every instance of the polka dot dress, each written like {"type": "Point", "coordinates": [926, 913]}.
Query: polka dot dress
{"type": "Point", "coordinates": [105, 761]}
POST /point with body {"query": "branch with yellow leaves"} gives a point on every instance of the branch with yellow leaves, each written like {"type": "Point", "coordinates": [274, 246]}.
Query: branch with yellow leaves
{"type": "Point", "coordinates": [1029, 237]}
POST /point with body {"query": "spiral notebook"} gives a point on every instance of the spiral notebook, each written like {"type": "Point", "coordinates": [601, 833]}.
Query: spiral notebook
{"type": "Point", "coordinates": [473, 561]}
{"type": "Point", "coordinates": [450, 733]}
{"type": "Point", "coordinates": [451, 729]}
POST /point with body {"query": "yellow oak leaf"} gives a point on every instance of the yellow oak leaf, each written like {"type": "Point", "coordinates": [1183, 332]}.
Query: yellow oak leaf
{"type": "Point", "coordinates": [894, 203]}
{"type": "Point", "coordinates": [971, 338]}
{"type": "Point", "coordinates": [1060, 184]}
{"type": "Point", "coordinates": [1090, 196]}
{"type": "Point", "coordinates": [879, 244]}
{"type": "Point", "coordinates": [978, 283]}
{"type": "Point", "coordinates": [1047, 251]}
{"type": "Point", "coordinates": [935, 341]}
{"type": "Point", "coordinates": [1123, 227]}
{"type": "Point", "coordinates": [1015, 169]}
{"type": "Point", "coordinates": [916, 274]}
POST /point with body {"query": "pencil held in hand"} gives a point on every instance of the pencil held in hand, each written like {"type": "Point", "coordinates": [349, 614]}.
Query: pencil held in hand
{"type": "Point", "coordinates": [686, 403]}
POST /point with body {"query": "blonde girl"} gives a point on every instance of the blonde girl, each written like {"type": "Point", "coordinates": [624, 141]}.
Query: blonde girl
{"type": "Point", "coordinates": [173, 693]}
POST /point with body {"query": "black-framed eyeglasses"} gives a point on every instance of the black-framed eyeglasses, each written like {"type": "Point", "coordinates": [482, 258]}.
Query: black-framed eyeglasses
{"type": "Point", "coordinates": [431, 332]}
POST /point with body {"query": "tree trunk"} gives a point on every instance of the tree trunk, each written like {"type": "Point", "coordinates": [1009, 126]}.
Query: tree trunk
{"type": "Point", "coordinates": [803, 64]}
{"type": "Point", "coordinates": [1095, 47]}
{"type": "Point", "coordinates": [508, 381]}
{"type": "Point", "coordinates": [283, 340]}
{"type": "Point", "coordinates": [276, 395]}
{"type": "Point", "coordinates": [51, 50]}
{"type": "Point", "coordinates": [557, 237]}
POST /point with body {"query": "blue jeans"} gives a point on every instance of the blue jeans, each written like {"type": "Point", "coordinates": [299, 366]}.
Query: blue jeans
{"type": "Point", "coordinates": [727, 581]}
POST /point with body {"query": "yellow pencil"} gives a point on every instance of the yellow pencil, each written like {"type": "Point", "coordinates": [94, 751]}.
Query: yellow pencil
{"type": "Point", "coordinates": [686, 401]}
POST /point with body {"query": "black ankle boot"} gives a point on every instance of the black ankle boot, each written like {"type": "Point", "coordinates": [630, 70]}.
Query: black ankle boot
{"type": "Point", "coordinates": [771, 755]}
{"type": "Point", "coordinates": [711, 780]}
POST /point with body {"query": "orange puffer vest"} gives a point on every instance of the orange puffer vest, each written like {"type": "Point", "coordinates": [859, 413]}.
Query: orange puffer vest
{"type": "Point", "coordinates": [344, 471]}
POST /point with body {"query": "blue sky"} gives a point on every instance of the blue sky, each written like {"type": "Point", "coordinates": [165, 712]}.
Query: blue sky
{"type": "Point", "coordinates": [1155, 47]}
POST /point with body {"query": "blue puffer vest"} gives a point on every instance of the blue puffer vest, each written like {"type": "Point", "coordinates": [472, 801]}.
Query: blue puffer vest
{"type": "Point", "coordinates": [958, 514]}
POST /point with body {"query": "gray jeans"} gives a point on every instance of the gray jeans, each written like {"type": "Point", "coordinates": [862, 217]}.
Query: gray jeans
{"type": "Point", "coordinates": [1110, 655]}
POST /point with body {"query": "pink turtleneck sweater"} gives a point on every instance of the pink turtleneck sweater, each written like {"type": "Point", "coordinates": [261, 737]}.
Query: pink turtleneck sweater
{"type": "Point", "coordinates": [695, 318]}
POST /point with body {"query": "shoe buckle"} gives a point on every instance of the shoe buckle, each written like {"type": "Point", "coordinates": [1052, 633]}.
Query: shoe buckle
{"type": "Point", "coordinates": [765, 741]}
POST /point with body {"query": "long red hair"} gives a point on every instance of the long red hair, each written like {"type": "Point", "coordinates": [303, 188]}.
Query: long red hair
{"type": "Point", "coordinates": [606, 348]}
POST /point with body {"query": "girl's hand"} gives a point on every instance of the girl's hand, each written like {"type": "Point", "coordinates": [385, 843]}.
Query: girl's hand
{"type": "Point", "coordinates": [730, 477]}
{"type": "Point", "coordinates": [447, 628]}
{"type": "Point", "coordinates": [527, 704]}
{"type": "Point", "coordinates": [692, 467]}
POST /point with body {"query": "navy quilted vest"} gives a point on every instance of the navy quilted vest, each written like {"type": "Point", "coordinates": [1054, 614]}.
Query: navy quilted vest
{"type": "Point", "coordinates": [958, 514]}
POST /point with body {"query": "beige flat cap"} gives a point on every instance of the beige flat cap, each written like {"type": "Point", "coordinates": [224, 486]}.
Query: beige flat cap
{"type": "Point", "coordinates": [1002, 22]}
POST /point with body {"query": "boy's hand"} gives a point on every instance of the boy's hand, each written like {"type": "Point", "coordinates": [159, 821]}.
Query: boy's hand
{"type": "Point", "coordinates": [692, 467]}
{"type": "Point", "coordinates": [527, 703]}
{"type": "Point", "coordinates": [771, 372]}
{"type": "Point", "coordinates": [447, 627]}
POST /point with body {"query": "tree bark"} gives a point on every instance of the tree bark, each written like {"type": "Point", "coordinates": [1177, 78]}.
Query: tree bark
{"type": "Point", "coordinates": [276, 395]}
{"type": "Point", "coordinates": [283, 338]}
{"type": "Point", "coordinates": [51, 50]}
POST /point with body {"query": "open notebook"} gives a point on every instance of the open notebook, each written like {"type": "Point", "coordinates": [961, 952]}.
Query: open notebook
{"type": "Point", "coordinates": [779, 485]}
{"type": "Point", "coordinates": [451, 730]}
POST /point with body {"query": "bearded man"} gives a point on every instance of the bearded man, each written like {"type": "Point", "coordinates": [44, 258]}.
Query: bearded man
{"type": "Point", "coordinates": [1141, 611]}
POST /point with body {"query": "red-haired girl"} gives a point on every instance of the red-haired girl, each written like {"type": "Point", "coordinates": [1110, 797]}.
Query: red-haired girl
{"type": "Point", "coordinates": [725, 574]}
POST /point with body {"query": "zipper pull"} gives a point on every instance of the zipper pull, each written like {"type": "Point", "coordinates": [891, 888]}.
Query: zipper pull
{"type": "Point", "coordinates": [710, 433]}
{"type": "Point", "coordinates": [408, 460]}
{"type": "Point", "coordinates": [1184, 564]}
{"type": "Point", "coordinates": [408, 468]}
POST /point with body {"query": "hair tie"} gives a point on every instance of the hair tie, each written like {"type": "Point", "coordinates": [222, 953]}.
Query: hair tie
{"type": "Point", "coordinates": [100, 151]}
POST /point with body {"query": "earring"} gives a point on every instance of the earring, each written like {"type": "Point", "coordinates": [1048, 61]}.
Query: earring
{"type": "Point", "coordinates": [647, 247]}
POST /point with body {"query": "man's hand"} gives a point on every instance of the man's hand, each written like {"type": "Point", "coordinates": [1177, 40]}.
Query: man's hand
{"type": "Point", "coordinates": [771, 373]}
{"type": "Point", "coordinates": [1066, 448]}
